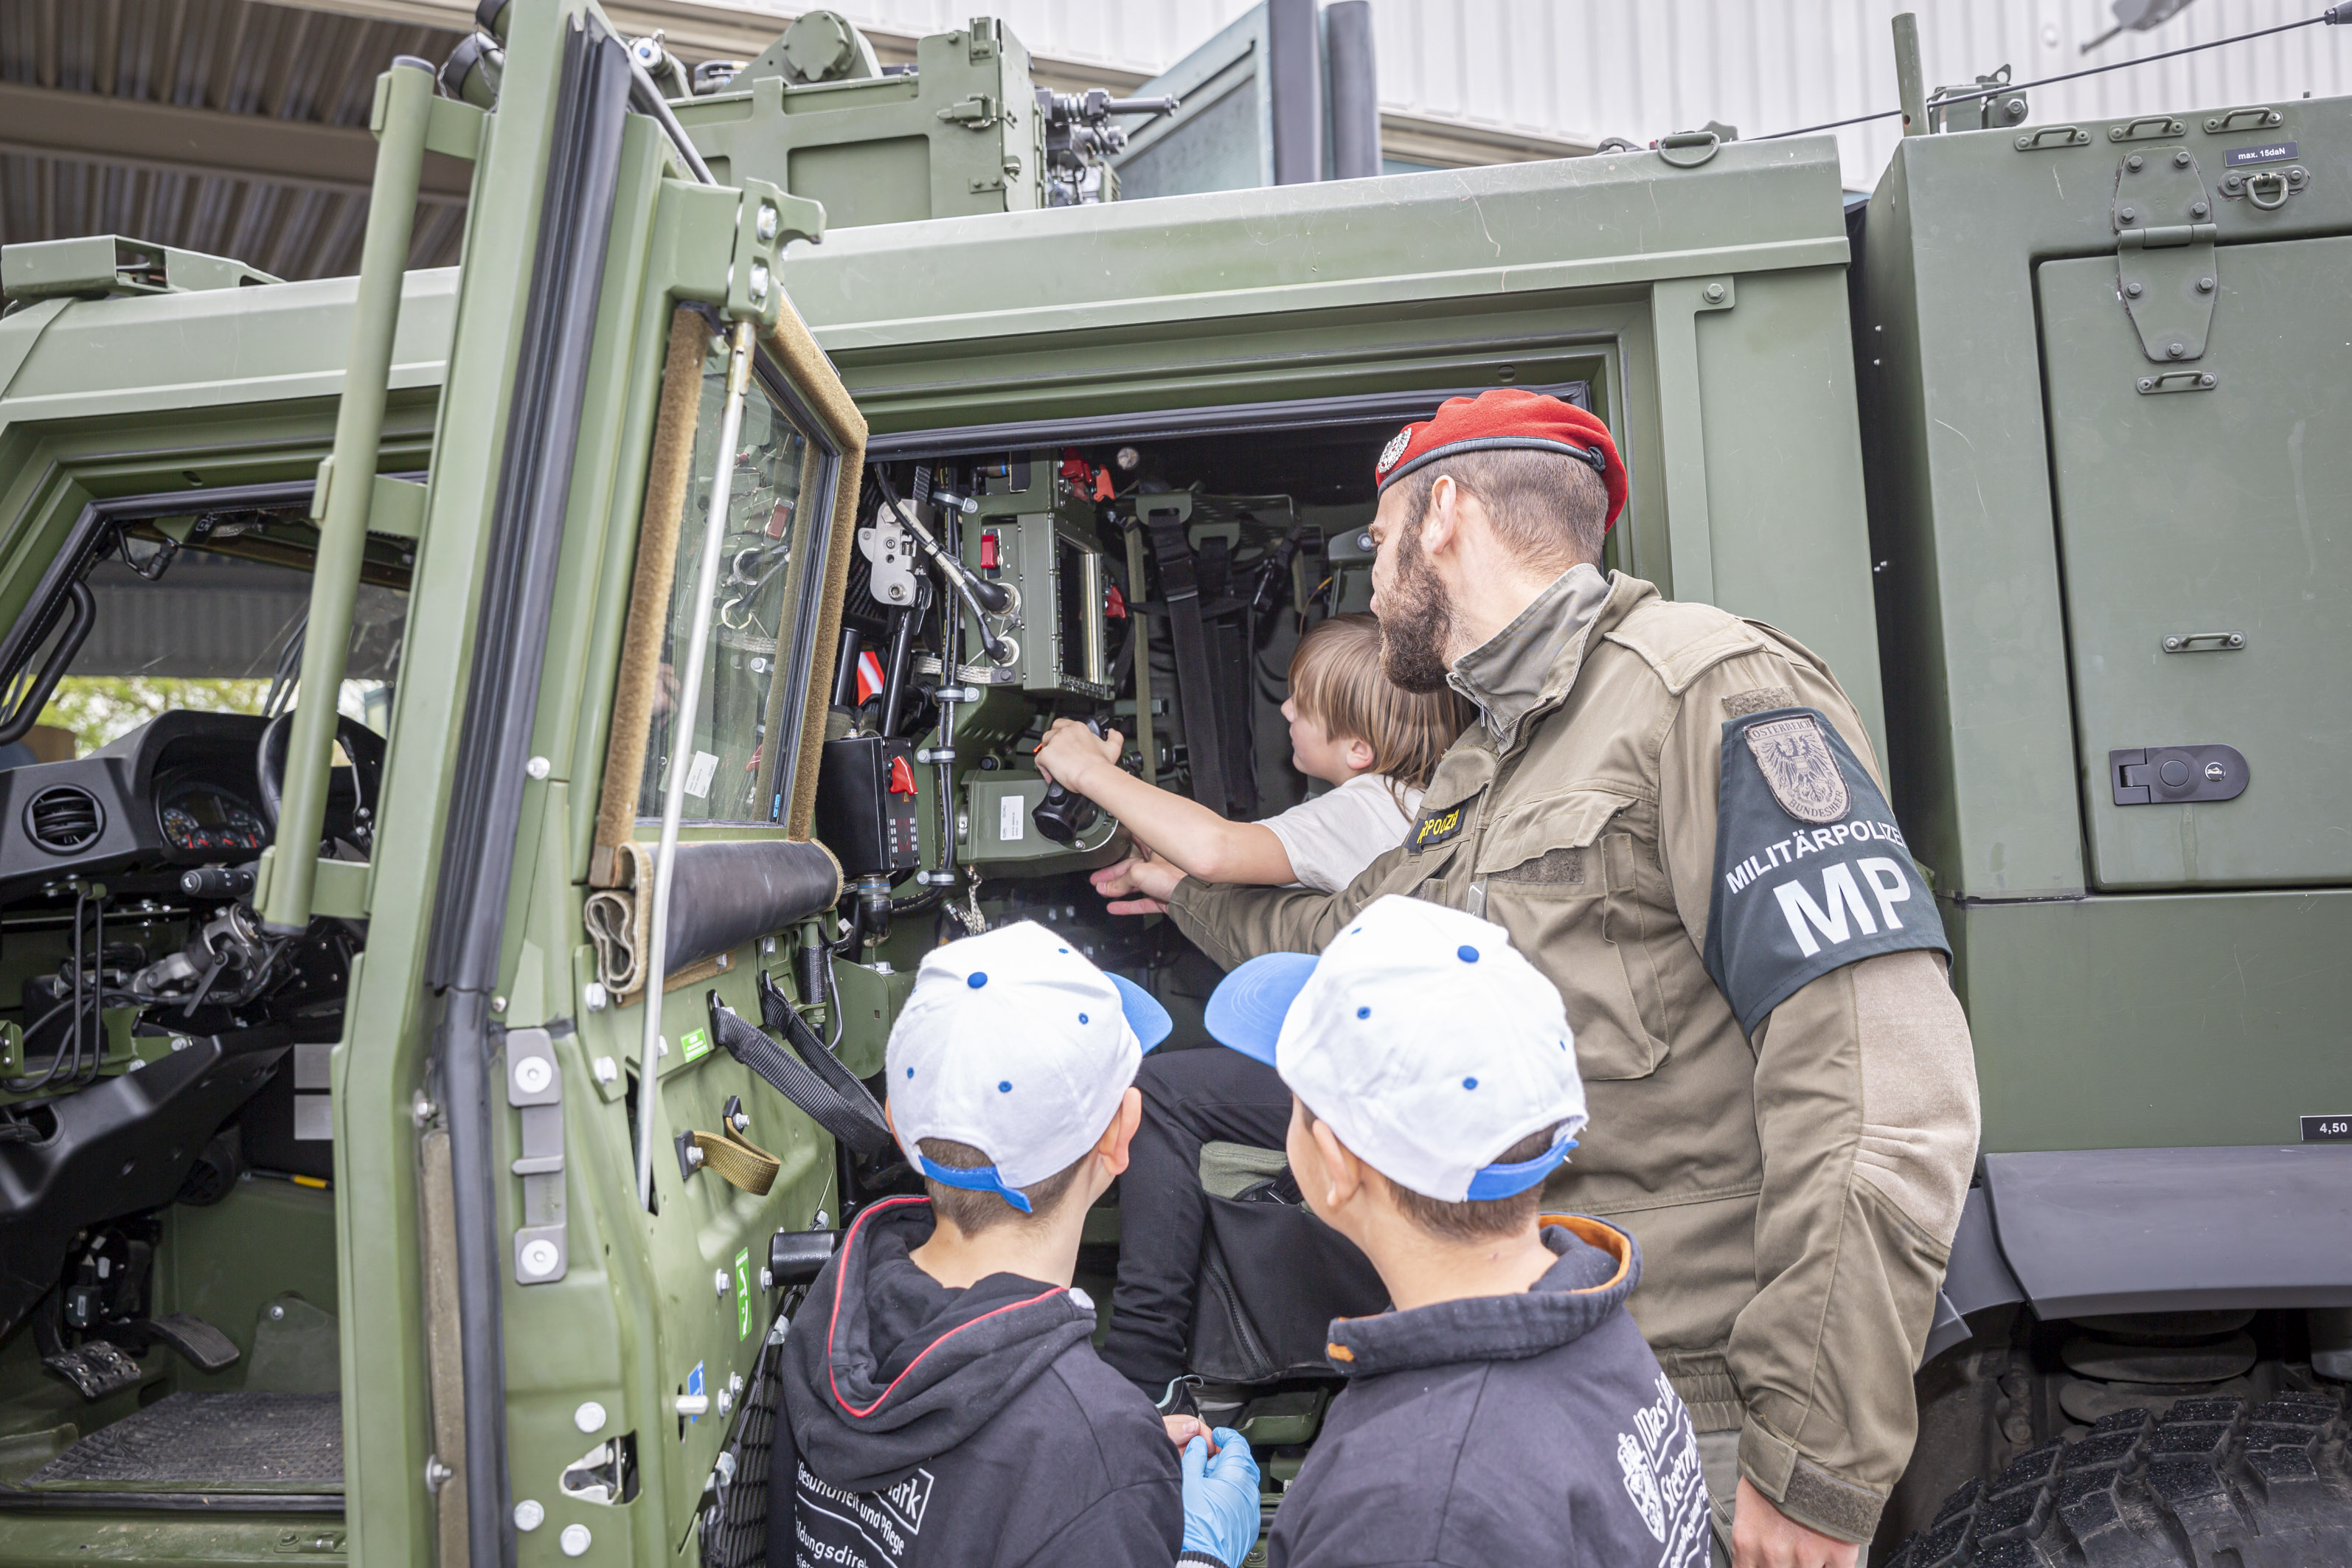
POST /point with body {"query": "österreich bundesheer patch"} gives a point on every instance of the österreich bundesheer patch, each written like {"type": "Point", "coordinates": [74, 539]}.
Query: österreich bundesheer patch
{"type": "Point", "coordinates": [1812, 873]}
{"type": "Point", "coordinates": [1797, 763]}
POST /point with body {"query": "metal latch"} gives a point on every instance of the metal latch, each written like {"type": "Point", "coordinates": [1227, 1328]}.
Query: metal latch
{"type": "Point", "coordinates": [2164, 271]}
{"type": "Point", "coordinates": [2177, 775]}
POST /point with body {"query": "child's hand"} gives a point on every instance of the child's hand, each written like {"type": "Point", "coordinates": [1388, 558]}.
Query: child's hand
{"type": "Point", "coordinates": [1183, 1429]}
{"type": "Point", "coordinates": [1140, 884]}
{"type": "Point", "coordinates": [1072, 756]}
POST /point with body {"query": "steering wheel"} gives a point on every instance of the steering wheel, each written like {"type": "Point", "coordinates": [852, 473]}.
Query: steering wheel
{"type": "Point", "coordinates": [362, 745]}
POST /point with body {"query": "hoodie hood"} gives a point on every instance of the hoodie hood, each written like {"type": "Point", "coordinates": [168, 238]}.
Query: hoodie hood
{"type": "Point", "coordinates": [1598, 1268]}
{"type": "Point", "coordinates": [886, 1368]}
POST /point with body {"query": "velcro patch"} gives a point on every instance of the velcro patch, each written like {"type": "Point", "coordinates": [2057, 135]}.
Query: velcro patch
{"type": "Point", "coordinates": [1740, 704]}
{"type": "Point", "coordinates": [1435, 827]}
{"type": "Point", "coordinates": [1802, 889]}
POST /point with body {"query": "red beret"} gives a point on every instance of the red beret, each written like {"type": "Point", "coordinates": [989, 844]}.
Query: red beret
{"type": "Point", "coordinates": [1507, 418]}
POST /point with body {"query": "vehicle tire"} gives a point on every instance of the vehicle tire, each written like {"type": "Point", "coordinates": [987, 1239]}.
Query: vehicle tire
{"type": "Point", "coordinates": [2218, 1483]}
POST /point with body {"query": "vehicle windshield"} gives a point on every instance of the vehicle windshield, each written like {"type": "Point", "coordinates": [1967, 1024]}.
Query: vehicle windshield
{"type": "Point", "coordinates": [200, 628]}
{"type": "Point", "coordinates": [727, 763]}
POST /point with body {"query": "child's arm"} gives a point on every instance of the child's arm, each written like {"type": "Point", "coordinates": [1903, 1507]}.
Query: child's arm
{"type": "Point", "coordinates": [1183, 832]}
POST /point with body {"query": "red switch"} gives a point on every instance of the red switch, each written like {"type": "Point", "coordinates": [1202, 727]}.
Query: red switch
{"type": "Point", "coordinates": [902, 777]}
{"type": "Point", "coordinates": [988, 552]}
{"type": "Point", "coordinates": [1114, 604]}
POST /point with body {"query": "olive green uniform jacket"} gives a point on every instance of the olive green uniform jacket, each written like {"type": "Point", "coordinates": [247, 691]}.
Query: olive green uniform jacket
{"type": "Point", "coordinates": [1796, 1194]}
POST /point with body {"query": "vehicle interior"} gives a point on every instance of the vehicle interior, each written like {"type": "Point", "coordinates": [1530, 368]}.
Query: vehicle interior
{"type": "Point", "coordinates": [1262, 512]}
{"type": "Point", "coordinates": [168, 1289]}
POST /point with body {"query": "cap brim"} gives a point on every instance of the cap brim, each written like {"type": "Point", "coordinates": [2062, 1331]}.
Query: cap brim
{"type": "Point", "coordinates": [1145, 1016]}
{"type": "Point", "coordinates": [1246, 1010]}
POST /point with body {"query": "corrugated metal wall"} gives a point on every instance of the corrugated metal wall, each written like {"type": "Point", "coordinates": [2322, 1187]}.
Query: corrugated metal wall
{"type": "Point", "coordinates": [1581, 69]}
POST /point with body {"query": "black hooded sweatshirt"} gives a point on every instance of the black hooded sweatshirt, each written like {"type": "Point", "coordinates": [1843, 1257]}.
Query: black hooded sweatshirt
{"type": "Point", "coordinates": [1533, 1428]}
{"type": "Point", "coordinates": [929, 1427]}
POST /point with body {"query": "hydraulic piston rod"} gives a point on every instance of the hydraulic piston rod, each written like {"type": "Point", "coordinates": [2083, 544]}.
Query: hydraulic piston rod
{"type": "Point", "coordinates": [689, 693]}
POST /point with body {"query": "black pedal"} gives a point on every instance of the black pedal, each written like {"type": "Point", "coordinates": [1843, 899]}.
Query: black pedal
{"type": "Point", "coordinates": [200, 1344]}
{"type": "Point", "coordinates": [95, 1369]}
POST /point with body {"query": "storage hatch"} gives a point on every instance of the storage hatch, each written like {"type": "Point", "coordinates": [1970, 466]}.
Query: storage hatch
{"type": "Point", "coordinates": [2204, 506]}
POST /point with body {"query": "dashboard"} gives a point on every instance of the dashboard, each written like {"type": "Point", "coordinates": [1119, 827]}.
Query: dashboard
{"type": "Point", "coordinates": [178, 791]}
{"type": "Point", "coordinates": [202, 818]}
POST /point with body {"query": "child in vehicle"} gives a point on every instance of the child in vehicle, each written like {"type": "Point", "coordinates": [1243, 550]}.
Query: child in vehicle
{"type": "Point", "coordinates": [942, 1404]}
{"type": "Point", "coordinates": [1349, 727]}
{"type": "Point", "coordinates": [1508, 1410]}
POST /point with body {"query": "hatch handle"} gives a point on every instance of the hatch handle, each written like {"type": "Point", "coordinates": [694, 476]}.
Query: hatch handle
{"type": "Point", "coordinates": [2147, 127]}
{"type": "Point", "coordinates": [2204, 642]}
{"type": "Point", "coordinates": [2177, 775]}
{"type": "Point", "coordinates": [2053, 136]}
{"type": "Point", "coordinates": [2252, 117]}
{"type": "Point", "coordinates": [1689, 149]}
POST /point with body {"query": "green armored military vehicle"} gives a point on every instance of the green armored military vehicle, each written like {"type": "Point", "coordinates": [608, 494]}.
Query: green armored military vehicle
{"type": "Point", "coordinates": [657, 610]}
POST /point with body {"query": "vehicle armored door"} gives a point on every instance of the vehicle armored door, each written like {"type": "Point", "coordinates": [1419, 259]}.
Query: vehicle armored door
{"type": "Point", "coordinates": [2205, 535]}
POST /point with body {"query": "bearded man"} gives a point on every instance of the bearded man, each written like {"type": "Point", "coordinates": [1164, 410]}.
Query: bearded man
{"type": "Point", "coordinates": [1677, 815]}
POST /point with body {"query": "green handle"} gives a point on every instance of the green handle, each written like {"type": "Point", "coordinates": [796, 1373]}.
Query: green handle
{"type": "Point", "coordinates": [405, 106]}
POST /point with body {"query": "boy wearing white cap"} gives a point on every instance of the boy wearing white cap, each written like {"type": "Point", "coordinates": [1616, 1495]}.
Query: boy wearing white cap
{"type": "Point", "coordinates": [942, 1404]}
{"type": "Point", "coordinates": [1508, 1410]}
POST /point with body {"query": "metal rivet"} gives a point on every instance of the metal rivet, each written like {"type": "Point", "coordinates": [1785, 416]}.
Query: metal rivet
{"type": "Point", "coordinates": [528, 1515]}
{"type": "Point", "coordinates": [594, 994]}
{"type": "Point", "coordinates": [2176, 349]}
{"type": "Point", "coordinates": [725, 1401]}
{"type": "Point", "coordinates": [2133, 290]}
{"type": "Point", "coordinates": [575, 1539]}
{"type": "Point", "coordinates": [767, 223]}
{"type": "Point", "coordinates": [759, 290]}
{"type": "Point", "coordinates": [2146, 384]}
{"type": "Point", "coordinates": [2171, 645]}
{"type": "Point", "coordinates": [2180, 159]}
{"type": "Point", "coordinates": [2237, 639]}
{"type": "Point", "coordinates": [719, 1278]}
{"type": "Point", "coordinates": [767, 1279]}
{"type": "Point", "coordinates": [533, 1075]}
{"type": "Point", "coordinates": [2216, 771]}
{"type": "Point", "coordinates": [589, 1417]}
{"type": "Point", "coordinates": [2132, 163]}
{"type": "Point", "coordinates": [2197, 209]}
{"type": "Point", "coordinates": [539, 1257]}
{"type": "Point", "coordinates": [497, 1004]}
{"type": "Point", "coordinates": [605, 1068]}
{"type": "Point", "coordinates": [694, 1160]}
{"type": "Point", "coordinates": [2204, 285]}
{"type": "Point", "coordinates": [2129, 214]}
{"type": "Point", "coordinates": [537, 767]}
{"type": "Point", "coordinates": [1715, 293]}
{"type": "Point", "coordinates": [2207, 380]}
{"type": "Point", "coordinates": [276, 1312]}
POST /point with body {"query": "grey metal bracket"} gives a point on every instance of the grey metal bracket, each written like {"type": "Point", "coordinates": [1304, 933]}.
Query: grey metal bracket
{"type": "Point", "coordinates": [535, 1087]}
{"type": "Point", "coordinates": [2164, 268]}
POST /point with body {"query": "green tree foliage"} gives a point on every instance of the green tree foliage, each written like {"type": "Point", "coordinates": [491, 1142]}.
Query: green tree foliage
{"type": "Point", "coordinates": [99, 708]}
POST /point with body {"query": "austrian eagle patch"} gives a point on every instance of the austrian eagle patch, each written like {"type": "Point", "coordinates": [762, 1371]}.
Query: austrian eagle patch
{"type": "Point", "coordinates": [1796, 762]}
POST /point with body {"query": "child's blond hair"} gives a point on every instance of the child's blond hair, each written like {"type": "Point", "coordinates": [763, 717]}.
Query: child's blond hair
{"type": "Point", "coordinates": [1336, 679]}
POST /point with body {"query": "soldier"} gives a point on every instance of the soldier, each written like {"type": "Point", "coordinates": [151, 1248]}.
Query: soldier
{"type": "Point", "coordinates": [1676, 814]}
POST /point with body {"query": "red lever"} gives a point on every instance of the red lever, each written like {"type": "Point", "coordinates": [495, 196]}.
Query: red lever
{"type": "Point", "coordinates": [988, 552]}
{"type": "Point", "coordinates": [902, 777]}
{"type": "Point", "coordinates": [1114, 604]}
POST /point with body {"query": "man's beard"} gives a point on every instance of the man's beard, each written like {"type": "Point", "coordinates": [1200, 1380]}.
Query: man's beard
{"type": "Point", "coordinates": [1416, 622]}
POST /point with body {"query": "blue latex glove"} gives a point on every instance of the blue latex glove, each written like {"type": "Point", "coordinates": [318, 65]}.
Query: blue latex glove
{"type": "Point", "coordinates": [1221, 1513]}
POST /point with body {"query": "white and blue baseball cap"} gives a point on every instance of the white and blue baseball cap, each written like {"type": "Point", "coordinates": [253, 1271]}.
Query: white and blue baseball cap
{"type": "Point", "coordinates": [1016, 1044]}
{"type": "Point", "coordinates": [1428, 1042]}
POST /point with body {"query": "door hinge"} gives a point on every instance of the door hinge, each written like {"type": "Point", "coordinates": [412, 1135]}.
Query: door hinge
{"type": "Point", "coordinates": [2164, 268]}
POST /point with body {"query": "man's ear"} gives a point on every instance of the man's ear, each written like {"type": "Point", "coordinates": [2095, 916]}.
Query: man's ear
{"type": "Point", "coordinates": [1343, 1172]}
{"type": "Point", "coordinates": [1440, 520]}
{"type": "Point", "coordinates": [1114, 1143]}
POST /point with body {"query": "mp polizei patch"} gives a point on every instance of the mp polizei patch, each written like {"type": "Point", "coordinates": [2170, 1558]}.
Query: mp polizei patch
{"type": "Point", "coordinates": [1434, 827]}
{"type": "Point", "coordinates": [1812, 873]}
